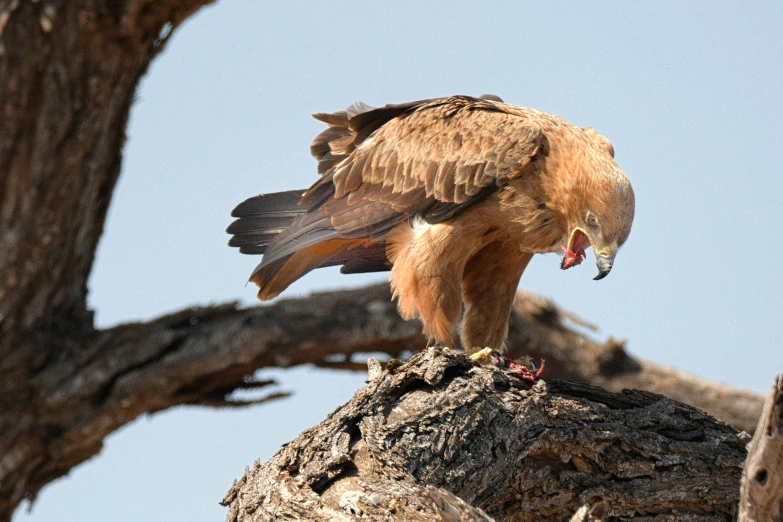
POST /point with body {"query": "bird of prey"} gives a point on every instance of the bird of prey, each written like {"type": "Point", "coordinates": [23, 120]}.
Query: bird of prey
{"type": "Point", "coordinates": [453, 196]}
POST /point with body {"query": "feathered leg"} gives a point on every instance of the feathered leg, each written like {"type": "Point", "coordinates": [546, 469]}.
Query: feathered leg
{"type": "Point", "coordinates": [489, 284]}
{"type": "Point", "coordinates": [427, 265]}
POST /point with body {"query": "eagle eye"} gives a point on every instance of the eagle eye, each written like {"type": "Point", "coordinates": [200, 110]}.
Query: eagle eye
{"type": "Point", "coordinates": [591, 219]}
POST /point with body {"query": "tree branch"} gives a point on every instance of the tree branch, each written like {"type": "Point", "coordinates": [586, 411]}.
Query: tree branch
{"type": "Point", "coordinates": [516, 451]}
{"type": "Point", "coordinates": [540, 329]}
{"type": "Point", "coordinates": [201, 355]}
{"type": "Point", "coordinates": [761, 496]}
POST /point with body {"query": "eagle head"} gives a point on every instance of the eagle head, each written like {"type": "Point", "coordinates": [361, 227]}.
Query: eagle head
{"type": "Point", "coordinates": [601, 217]}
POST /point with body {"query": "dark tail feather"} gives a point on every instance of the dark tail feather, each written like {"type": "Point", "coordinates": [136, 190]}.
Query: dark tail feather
{"type": "Point", "coordinates": [295, 241]}
{"type": "Point", "coordinates": [276, 225]}
{"type": "Point", "coordinates": [278, 202]}
{"type": "Point", "coordinates": [311, 243]}
{"type": "Point", "coordinates": [252, 243]}
{"type": "Point", "coordinates": [263, 217]}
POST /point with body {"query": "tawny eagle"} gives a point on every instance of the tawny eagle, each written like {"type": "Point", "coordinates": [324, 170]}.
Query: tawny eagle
{"type": "Point", "coordinates": [454, 196]}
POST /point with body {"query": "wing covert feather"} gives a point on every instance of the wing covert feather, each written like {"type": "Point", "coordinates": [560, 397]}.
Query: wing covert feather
{"type": "Point", "coordinates": [448, 150]}
{"type": "Point", "coordinates": [433, 158]}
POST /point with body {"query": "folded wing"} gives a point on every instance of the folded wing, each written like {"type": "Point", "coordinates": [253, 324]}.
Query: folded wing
{"type": "Point", "coordinates": [380, 167]}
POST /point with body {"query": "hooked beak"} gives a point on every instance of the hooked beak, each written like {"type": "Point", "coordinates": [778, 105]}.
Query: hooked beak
{"type": "Point", "coordinates": [604, 260]}
{"type": "Point", "coordinates": [575, 253]}
{"type": "Point", "coordinates": [604, 265]}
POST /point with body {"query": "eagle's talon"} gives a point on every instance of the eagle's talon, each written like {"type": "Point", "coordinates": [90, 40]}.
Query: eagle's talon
{"type": "Point", "coordinates": [527, 373]}
{"type": "Point", "coordinates": [483, 356]}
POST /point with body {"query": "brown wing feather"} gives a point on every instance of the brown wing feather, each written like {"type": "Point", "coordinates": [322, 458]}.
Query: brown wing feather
{"type": "Point", "coordinates": [424, 156]}
{"type": "Point", "coordinates": [431, 158]}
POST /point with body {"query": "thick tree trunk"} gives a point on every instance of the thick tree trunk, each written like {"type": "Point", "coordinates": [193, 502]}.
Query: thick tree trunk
{"type": "Point", "coordinates": [68, 74]}
{"type": "Point", "coordinates": [518, 452]}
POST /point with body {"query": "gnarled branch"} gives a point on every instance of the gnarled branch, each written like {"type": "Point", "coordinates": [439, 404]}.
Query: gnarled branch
{"type": "Point", "coordinates": [516, 451]}
{"type": "Point", "coordinates": [201, 355]}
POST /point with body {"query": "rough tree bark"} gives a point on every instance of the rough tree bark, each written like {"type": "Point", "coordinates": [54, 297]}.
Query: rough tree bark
{"type": "Point", "coordinates": [201, 355]}
{"type": "Point", "coordinates": [68, 75]}
{"type": "Point", "coordinates": [518, 452]}
{"type": "Point", "coordinates": [762, 479]}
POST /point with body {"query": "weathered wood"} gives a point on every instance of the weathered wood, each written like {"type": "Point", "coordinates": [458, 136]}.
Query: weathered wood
{"type": "Point", "coordinates": [590, 514]}
{"type": "Point", "coordinates": [540, 329]}
{"type": "Point", "coordinates": [761, 496]}
{"type": "Point", "coordinates": [68, 74]}
{"type": "Point", "coordinates": [84, 391]}
{"type": "Point", "coordinates": [516, 451]}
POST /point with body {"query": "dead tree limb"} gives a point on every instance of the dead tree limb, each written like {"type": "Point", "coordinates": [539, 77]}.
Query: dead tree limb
{"type": "Point", "coordinates": [540, 329]}
{"type": "Point", "coordinates": [518, 452]}
{"type": "Point", "coordinates": [761, 497]}
{"type": "Point", "coordinates": [201, 355]}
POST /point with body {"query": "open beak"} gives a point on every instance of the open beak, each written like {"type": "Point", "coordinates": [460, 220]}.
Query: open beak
{"type": "Point", "coordinates": [575, 253]}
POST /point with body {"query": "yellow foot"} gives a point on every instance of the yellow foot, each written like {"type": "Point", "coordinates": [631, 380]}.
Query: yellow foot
{"type": "Point", "coordinates": [482, 356]}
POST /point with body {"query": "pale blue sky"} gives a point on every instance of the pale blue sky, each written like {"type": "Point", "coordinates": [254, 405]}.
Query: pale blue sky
{"type": "Point", "coordinates": [690, 94]}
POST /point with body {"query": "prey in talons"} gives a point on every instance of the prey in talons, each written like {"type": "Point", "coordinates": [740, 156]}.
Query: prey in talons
{"type": "Point", "coordinates": [529, 373]}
